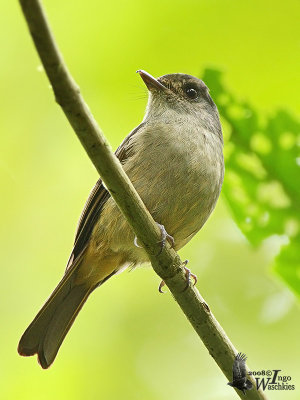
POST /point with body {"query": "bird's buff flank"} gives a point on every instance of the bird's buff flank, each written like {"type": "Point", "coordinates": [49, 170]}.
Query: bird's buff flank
{"type": "Point", "coordinates": [174, 159]}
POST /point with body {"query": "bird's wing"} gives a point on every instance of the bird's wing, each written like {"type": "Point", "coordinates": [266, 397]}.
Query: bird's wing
{"type": "Point", "coordinates": [239, 367]}
{"type": "Point", "coordinates": [95, 202]}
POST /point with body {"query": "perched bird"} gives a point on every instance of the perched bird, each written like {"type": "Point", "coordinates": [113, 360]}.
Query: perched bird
{"type": "Point", "coordinates": [174, 159]}
{"type": "Point", "coordinates": [239, 374]}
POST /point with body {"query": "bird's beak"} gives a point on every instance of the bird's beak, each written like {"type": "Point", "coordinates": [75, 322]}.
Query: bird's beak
{"type": "Point", "coordinates": [150, 81]}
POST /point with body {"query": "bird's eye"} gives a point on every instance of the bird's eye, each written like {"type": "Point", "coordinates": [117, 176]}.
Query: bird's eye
{"type": "Point", "coordinates": [191, 93]}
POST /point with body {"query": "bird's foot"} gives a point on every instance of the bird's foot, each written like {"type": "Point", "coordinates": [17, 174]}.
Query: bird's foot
{"type": "Point", "coordinates": [165, 237]}
{"type": "Point", "coordinates": [188, 275]}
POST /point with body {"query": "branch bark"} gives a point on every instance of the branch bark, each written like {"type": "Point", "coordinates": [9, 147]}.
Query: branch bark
{"type": "Point", "coordinates": [167, 264]}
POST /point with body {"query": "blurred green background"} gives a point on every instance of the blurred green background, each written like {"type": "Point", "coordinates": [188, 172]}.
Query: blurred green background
{"type": "Point", "coordinates": [130, 342]}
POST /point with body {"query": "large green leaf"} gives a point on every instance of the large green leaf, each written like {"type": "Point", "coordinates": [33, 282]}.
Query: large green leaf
{"type": "Point", "coordinates": [262, 184]}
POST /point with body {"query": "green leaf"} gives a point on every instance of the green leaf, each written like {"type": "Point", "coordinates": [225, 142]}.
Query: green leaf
{"type": "Point", "coordinates": [262, 181]}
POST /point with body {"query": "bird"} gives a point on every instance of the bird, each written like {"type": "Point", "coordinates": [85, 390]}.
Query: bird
{"type": "Point", "coordinates": [239, 374]}
{"type": "Point", "coordinates": [174, 159]}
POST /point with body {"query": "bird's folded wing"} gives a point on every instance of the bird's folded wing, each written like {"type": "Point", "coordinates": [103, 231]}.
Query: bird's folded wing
{"type": "Point", "coordinates": [95, 202]}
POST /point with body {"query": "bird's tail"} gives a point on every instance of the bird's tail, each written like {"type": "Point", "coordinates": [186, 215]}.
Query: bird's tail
{"type": "Point", "coordinates": [47, 331]}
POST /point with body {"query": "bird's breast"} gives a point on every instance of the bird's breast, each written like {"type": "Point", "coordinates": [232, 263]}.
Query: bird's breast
{"type": "Point", "coordinates": [178, 174]}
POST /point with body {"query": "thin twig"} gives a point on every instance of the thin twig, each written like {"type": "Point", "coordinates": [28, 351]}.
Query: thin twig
{"type": "Point", "coordinates": [167, 264]}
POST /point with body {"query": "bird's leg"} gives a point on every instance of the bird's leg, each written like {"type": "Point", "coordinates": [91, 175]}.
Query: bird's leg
{"type": "Point", "coordinates": [164, 237]}
{"type": "Point", "coordinates": [188, 276]}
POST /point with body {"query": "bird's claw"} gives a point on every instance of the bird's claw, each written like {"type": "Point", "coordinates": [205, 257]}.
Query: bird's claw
{"type": "Point", "coordinates": [135, 242]}
{"type": "Point", "coordinates": [161, 285]}
{"type": "Point", "coordinates": [188, 276]}
{"type": "Point", "coordinates": [164, 237]}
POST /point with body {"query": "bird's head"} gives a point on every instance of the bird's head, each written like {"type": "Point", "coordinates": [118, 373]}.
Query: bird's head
{"type": "Point", "coordinates": [179, 97]}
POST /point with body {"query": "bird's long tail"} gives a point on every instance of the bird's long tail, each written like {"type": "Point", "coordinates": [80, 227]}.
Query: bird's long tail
{"type": "Point", "coordinates": [47, 331]}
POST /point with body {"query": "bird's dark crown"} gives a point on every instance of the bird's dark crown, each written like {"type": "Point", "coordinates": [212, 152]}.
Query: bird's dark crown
{"type": "Point", "coordinates": [179, 80]}
{"type": "Point", "coordinates": [187, 86]}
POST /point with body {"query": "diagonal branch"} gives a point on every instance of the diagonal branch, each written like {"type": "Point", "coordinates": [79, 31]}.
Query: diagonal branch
{"type": "Point", "coordinates": [167, 264]}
